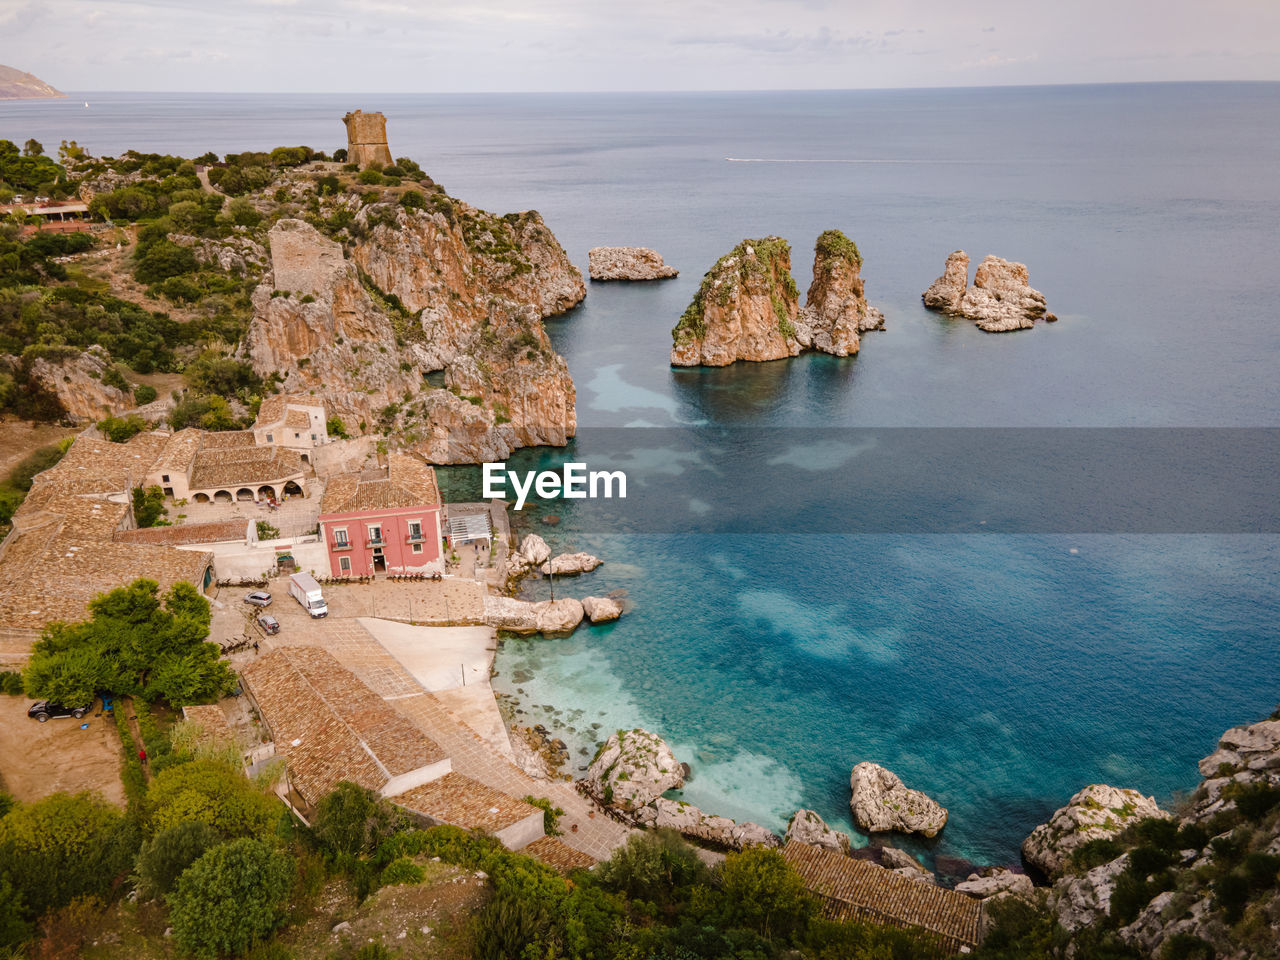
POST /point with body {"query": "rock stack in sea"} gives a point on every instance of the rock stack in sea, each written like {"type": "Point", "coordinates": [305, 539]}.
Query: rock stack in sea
{"type": "Point", "coordinates": [747, 307]}
{"type": "Point", "coordinates": [627, 263]}
{"type": "Point", "coordinates": [1001, 298]}
{"type": "Point", "coordinates": [882, 803]}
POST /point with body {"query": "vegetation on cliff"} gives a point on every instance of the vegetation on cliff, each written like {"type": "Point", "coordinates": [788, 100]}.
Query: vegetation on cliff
{"type": "Point", "coordinates": [769, 259]}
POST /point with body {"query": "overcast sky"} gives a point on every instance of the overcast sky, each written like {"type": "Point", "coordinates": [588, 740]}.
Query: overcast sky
{"type": "Point", "coordinates": [504, 45]}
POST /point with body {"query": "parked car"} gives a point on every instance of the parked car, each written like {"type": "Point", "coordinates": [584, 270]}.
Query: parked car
{"type": "Point", "coordinates": [44, 711]}
{"type": "Point", "coordinates": [259, 599]}
{"type": "Point", "coordinates": [269, 625]}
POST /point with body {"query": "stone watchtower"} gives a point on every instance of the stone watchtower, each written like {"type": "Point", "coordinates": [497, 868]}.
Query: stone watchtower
{"type": "Point", "coordinates": [367, 139]}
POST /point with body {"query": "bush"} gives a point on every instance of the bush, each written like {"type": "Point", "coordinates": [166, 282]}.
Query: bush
{"type": "Point", "coordinates": [353, 821]}
{"type": "Point", "coordinates": [164, 858]}
{"type": "Point", "coordinates": [121, 429]}
{"type": "Point", "coordinates": [370, 178]}
{"type": "Point", "coordinates": [658, 867]}
{"type": "Point", "coordinates": [759, 891]}
{"type": "Point", "coordinates": [266, 531]}
{"type": "Point", "coordinates": [1095, 853]}
{"type": "Point", "coordinates": [336, 428]}
{"type": "Point", "coordinates": [551, 814]}
{"type": "Point", "coordinates": [148, 506]}
{"type": "Point", "coordinates": [402, 870]}
{"type": "Point", "coordinates": [230, 898]}
{"type": "Point", "coordinates": [144, 393]}
{"type": "Point", "coordinates": [1184, 946]}
{"type": "Point", "coordinates": [214, 793]}
{"type": "Point", "coordinates": [10, 684]}
{"type": "Point", "coordinates": [413, 200]}
{"type": "Point", "coordinates": [162, 260]}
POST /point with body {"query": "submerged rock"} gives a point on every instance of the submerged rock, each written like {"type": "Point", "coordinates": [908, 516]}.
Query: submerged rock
{"type": "Point", "coordinates": [632, 769]}
{"type": "Point", "coordinates": [809, 828]}
{"type": "Point", "coordinates": [1097, 812]}
{"type": "Point", "coordinates": [881, 803]}
{"type": "Point", "coordinates": [1001, 298]}
{"type": "Point", "coordinates": [627, 263]}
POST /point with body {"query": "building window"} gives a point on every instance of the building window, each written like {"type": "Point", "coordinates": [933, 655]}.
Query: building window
{"type": "Point", "coordinates": [297, 436]}
{"type": "Point", "coordinates": [269, 439]}
{"type": "Point", "coordinates": [415, 530]}
{"type": "Point", "coordinates": [340, 537]}
{"type": "Point", "coordinates": [313, 438]}
{"type": "Point", "coordinates": [417, 548]}
{"type": "Point", "coordinates": [375, 535]}
{"type": "Point", "coordinates": [164, 478]}
{"type": "Point", "coordinates": [344, 564]}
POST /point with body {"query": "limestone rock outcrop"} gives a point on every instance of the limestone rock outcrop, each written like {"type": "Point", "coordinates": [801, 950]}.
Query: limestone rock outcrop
{"type": "Point", "coordinates": [1096, 812]}
{"type": "Point", "coordinates": [552, 618]}
{"type": "Point", "coordinates": [570, 564]}
{"type": "Point", "coordinates": [533, 552]}
{"type": "Point", "coordinates": [627, 263]}
{"type": "Point", "coordinates": [995, 883]}
{"type": "Point", "coordinates": [691, 822]}
{"type": "Point", "coordinates": [807, 827]}
{"type": "Point", "coordinates": [904, 865]}
{"type": "Point", "coordinates": [632, 769]}
{"type": "Point", "coordinates": [78, 383]}
{"type": "Point", "coordinates": [1083, 900]}
{"type": "Point", "coordinates": [836, 309]}
{"type": "Point", "coordinates": [601, 609]}
{"type": "Point", "coordinates": [558, 618]}
{"type": "Point", "coordinates": [747, 307]}
{"type": "Point", "coordinates": [882, 803]}
{"type": "Point", "coordinates": [1253, 748]}
{"type": "Point", "coordinates": [417, 290]}
{"type": "Point", "coordinates": [1001, 298]}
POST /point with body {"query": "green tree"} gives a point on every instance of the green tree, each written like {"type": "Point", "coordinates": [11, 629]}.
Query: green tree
{"type": "Point", "coordinates": [352, 821]}
{"type": "Point", "coordinates": [148, 506]}
{"type": "Point", "coordinates": [214, 793]}
{"type": "Point", "coordinates": [164, 857]}
{"type": "Point", "coordinates": [33, 148]}
{"type": "Point", "coordinates": [132, 645]}
{"type": "Point", "coordinates": [158, 261]}
{"type": "Point", "coordinates": [121, 429]}
{"type": "Point", "coordinates": [209, 413]}
{"type": "Point", "coordinates": [144, 393]}
{"type": "Point", "coordinates": [658, 867]}
{"type": "Point", "coordinates": [231, 898]}
{"type": "Point", "coordinates": [62, 847]}
{"type": "Point", "coordinates": [759, 891]}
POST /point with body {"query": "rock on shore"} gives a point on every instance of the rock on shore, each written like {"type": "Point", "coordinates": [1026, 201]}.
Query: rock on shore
{"type": "Point", "coordinates": [627, 263]}
{"type": "Point", "coordinates": [881, 803]}
{"type": "Point", "coordinates": [633, 768]}
{"type": "Point", "coordinates": [747, 307]}
{"type": "Point", "coordinates": [807, 827]}
{"type": "Point", "coordinates": [1097, 812]}
{"type": "Point", "coordinates": [552, 618]}
{"type": "Point", "coordinates": [601, 609]}
{"type": "Point", "coordinates": [691, 822]}
{"type": "Point", "coordinates": [570, 564]}
{"type": "Point", "coordinates": [995, 883]}
{"type": "Point", "coordinates": [1001, 298]}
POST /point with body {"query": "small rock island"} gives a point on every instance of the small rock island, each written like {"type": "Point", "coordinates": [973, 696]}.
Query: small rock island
{"type": "Point", "coordinates": [628, 263]}
{"type": "Point", "coordinates": [747, 307]}
{"type": "Point", "coordinates": [1001, 298]}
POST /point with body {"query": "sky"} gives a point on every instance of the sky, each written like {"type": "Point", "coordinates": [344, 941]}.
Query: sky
{"type": "Point", "coordinates": [601, 45]}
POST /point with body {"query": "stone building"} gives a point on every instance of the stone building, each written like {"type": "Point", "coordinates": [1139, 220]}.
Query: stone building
{"type": "Point", "coordinates": [367, 139]}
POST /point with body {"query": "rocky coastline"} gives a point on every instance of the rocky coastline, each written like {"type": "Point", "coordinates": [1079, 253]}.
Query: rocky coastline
{"type": "Point", "coordinates": [628, 263]}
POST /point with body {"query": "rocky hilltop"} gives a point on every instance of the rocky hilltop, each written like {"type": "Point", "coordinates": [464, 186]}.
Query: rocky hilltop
{"type": "Point", "coordinates": [627, 263]}
{"type": "Point", "coordinates": [419, 290]}
{"type": "Point", "coordinates": [1001, 298]}
{"type": "Point", "coordinates": [747, 306]}
{"type": "Point", "coordinates": [17, 85]}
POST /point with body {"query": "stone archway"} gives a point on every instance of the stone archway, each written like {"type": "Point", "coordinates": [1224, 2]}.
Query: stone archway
{"type": "Point", "coordinates": [291, 489]}
{"type": "Point", "coordinates": [201, 498]}
{"type": "Point", "coordinates": [244, 493]}
{"type": "Point", "coordinates": [267, 491]}
{"type": "Point", "coordinates": [223, 496]}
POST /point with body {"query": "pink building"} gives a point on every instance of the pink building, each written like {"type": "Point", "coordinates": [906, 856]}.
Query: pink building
{"type": "Point", "coordinates": [383, 524]}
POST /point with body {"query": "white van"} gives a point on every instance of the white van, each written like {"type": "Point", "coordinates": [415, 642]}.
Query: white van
{"type": "Point", "coordinates": [304, 589]}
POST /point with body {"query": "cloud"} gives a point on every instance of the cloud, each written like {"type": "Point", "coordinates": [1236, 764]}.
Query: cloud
{"type": "Point", "coordinates": [824, 41]}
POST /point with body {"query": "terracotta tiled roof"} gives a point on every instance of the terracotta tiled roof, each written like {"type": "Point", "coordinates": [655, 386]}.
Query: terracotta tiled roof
{"type": "Point", "coordinates": [214, 728]}
{"type": "Point", "coordinates": [275, 408]}
{"type": "Point", "coordinates": [297, 419]}
{"type": "Point", "coordinates": [555, 853]}
{"type": "Point", "coordinates": [409, 483]}
{"type": "Point", "coordinates": [857, 889]}
{"type": "Point", "coordinates": [227, 438]}
{"type": "Point", "coordinates": [330, 727]}
{"type": "Point", "coordinates": [216, 531]}
{"type": "Point", "coordinates": [466, 803]}
{"type": "Point", "coordinates": [243, 467]}
{"type": "Point", "coordinates": [179, 450]}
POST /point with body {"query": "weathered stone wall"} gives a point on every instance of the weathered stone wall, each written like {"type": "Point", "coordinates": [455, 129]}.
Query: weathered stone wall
{"type": "Point", "coordinates": [367, 139]}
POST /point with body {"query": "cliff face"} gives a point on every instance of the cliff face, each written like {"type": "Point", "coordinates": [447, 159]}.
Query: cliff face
{"type": "Point", "coordinates": [836, 309]}
{"type": "Point", "coordinates": [17, 85]}
{"type": "Point", "coordinates": [746, 309]}
{"type": "Point", "coordinates": [1001, 298]}
{"type": "Point", "coordinates": [77, 383]}
{"type": "Point", "coordinates": [452, 289]}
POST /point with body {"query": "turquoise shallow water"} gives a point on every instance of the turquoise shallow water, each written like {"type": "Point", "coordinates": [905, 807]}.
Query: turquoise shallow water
{"type": "Point", "coordinates": [1000, 674]}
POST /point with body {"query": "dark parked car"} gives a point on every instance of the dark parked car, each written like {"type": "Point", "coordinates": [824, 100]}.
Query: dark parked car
{"type": "Point", "coordinates": [44, 710]}
{"type": "Point", "coordinates": [269, 625]}
{"type": "Point", "coordinates": [259, 599]}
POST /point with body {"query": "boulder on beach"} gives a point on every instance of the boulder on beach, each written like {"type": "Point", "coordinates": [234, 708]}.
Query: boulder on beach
{"type": "Point", "coordinates": [552, 618]}
{"type": "Point", "coordinates": [533, 551]}
{"type": "Point", "coordinates": [882, 803]}
{"type": "Point", "coordinates": [691, 822]}
{"type": "Point", "coordinates": [809, 828]}
{"type": "Point", "coordinates": [601, 609]}
{"type": "Point", "coordinates": [633, 768]}
{"type": "Point", "coordinates": [627, 263]}
{"type": "Point", "coordinates": [558, 618]}
{"type": "Point", "coordinates": [1098, 812]}
{"type": "Point", "coordinates": [1001, 298]}
{"type": "Point", "coordinates": [570, 564]}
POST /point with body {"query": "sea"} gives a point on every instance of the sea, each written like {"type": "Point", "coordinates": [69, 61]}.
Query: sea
{"type": "Point", "coordinates": [1000, 672]}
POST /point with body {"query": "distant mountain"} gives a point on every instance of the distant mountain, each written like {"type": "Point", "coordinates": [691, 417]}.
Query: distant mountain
{"type": "Point", "coordinates": [16, 85]}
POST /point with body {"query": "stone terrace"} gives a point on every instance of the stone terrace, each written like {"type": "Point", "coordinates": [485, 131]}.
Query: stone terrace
{"type": "Point", "coordinates": [856, 889]}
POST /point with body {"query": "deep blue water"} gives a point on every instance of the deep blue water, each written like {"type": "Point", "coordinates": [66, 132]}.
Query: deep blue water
{"type": "Point", "coordinates": [1000, 674]}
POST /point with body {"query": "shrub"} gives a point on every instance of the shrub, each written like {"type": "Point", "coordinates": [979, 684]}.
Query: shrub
{"type": "Point", "coordinates": [759, 891]}
{"type": "Point", "coordinates": [11, 684]}
{"type": "Point", "coordinates": [353, 821]}
{"type": "Point", "coordinates": [229, 898]}
{"type": "Point", "coordinates": [413, 200]}
{"type": "Point", "coordinates": [551, 814]}
{"type": "Point", "coordinates": [144, 393]}
{"type": "Point", "coordinates": [336, 428]}
{"type": "Point", "coordinates": [120, 429]}
{"type": "Point", "coordinates": [148, 506]}
{"type": "Point", "coordinates": [1095, 853]}
{"type": "Point", "coordinates": [164, 858]}
{"type": "Point", "coordinates": [402, 870]}
{"type": "Point", "coordinates": [371, 177]}
{"type": "Point", "coordinates": [162, 260]}
{"type": "Point", "coordinates": [214, 793]}
{"type": "Point", "coordinates": [266, 531]}
{"type": "Point", "coordinates": [1184, 946]}
{"type": "Point", "coordinates": [657, 867]}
